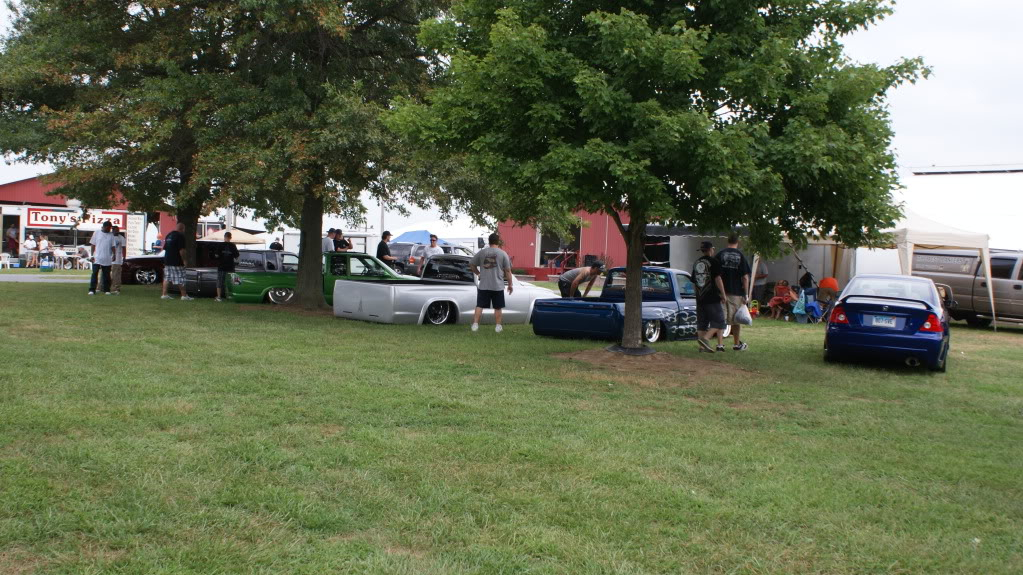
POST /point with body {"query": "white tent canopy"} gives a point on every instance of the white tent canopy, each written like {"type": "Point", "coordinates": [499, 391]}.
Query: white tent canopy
{"type": "Point", "coordinates": [237, 237]}
{"type": "Point", "coordinates": [916, 231]}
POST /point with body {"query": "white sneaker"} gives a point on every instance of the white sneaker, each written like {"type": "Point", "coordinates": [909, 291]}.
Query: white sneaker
{"type": "Point", "coordinates": [217, 299]}
{"type": "Point", "coordinates": [187, 298]}
{"type": "Point", "coordinates": [161, 297]}
{"type": "Point", "coordinates": [108, 293]}
{"type": "Point", "coordinates": [498, 328]}
{"type": "Point", "coordinates": [92, 293]}
{"type": "Point", "coordinates": [475, 327]}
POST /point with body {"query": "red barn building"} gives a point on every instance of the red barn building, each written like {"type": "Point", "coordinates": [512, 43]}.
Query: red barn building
{"type": "Point", "coordinates": [597, 238]}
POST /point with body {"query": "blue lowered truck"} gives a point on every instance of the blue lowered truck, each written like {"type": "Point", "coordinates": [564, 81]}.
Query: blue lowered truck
{"type": "Point", "coordinates": [669, 309]}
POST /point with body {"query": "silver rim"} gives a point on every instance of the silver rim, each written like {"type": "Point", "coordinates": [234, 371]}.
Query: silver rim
{"type": "Point", "coordinates": [652, 331]}
{"type": "Point", "coordinates": [438, 312]}
{"type": "Point", "coordinates": [281, 295]}
{"type": "Point", "coordinates": [145, 277]}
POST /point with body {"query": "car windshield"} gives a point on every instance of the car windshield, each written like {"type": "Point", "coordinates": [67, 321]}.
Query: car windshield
{"type": "Point", "coordinates": [892, 287]}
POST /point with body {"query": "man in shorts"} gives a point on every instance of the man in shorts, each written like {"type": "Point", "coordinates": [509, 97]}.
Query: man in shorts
{"type": "Point", "coordinates": [710, 299]}
{"type": "Point", "coordinates": [735, 272]}
{"type": "Point", "coordinates": [493, 266]}
{"type": "Point", "coordinates": [115, 267]}
{"type": "Point", "coordinates": [174, 262]}
{"type": "Point", "coordinates": [569, 282]}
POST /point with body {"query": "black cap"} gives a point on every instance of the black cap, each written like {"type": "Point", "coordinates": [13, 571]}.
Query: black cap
{"type": "Point", "coordinates": [597, 264]}
{"type": "Point", "coordinates": [386, 234]}
{"type": "Point", "coordinates": [330, 231]}
{"type": "Point", "coordinates": [704, 246]}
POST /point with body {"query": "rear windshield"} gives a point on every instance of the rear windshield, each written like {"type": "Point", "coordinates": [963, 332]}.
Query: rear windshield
{"type": "Point", "coordinates": [892, 287]}
{"type": "Point", "coordinates": [653, 283]}
{"type": "Point", "coordinates": [441, 268]}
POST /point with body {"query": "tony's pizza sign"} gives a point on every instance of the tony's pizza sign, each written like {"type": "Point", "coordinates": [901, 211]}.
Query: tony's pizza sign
{"type": "Point", "coordinates": [91, 220]}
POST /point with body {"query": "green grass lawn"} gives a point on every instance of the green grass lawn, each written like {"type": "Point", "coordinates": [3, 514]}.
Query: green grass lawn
{"type": "Point", "coordinates": [140, 436]}
{"type": "Point", "coordinates": [58, 272]}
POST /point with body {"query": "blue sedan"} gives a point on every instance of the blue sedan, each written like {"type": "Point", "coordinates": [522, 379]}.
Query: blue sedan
{"type": "Point", "coordinates": [890, 317]}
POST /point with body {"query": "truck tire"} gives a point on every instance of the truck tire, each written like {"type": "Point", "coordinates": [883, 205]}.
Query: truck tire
{"type": "Point", "coordinates": [652, 331]}
{"type": "Point", "coordinates": [280, 295]}
{"type": "Point", "coordinates": [974, 321]}
{"type": "Point", "coordinates": [438, 313]}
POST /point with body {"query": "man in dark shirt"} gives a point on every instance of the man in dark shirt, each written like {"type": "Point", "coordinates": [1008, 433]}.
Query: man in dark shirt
{"type": "Point", "coordinates": [340, 243]}
{"type": "Point", "coordinates": [735, 273]}
{"type": "Point", "coordinates": [226, 254]}
{"type": "Point", "coordinates": [710, 299]}
{"type": "Point", "coordinates": [174, 262]}
{"type": "Point", "coordinates": [384, 251]}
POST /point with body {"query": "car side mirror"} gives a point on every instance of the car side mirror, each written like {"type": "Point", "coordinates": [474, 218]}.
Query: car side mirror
{"type": "Point", "coordinates": [945, 291]}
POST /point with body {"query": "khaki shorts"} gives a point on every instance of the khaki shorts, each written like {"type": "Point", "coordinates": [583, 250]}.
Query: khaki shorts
{"type": "Point", "coordinates": [732, 305]}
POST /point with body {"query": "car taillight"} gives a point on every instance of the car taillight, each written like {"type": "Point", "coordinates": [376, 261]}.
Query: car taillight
{"type": "Point", "coordinates": [412, 259]}
{"type": "Point", "coordinates": [838, 315]}
{"type": "Point", "coordinates": [933, 324]}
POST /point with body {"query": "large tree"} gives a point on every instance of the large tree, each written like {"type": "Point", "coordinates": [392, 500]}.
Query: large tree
{"type": "Point", "coordinates": [305, 138]}
{"type": "Point", "coordinates": [710, 113]}
{"type": "Point", "coordinates": [115, 94]}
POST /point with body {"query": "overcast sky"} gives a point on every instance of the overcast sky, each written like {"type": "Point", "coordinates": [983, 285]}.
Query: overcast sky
{"type": "Point", "coordinates": [966, 113]}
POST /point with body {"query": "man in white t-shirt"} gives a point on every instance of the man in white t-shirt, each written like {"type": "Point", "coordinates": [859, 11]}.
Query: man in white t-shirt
{"type": "Point", "coordinates": [115, 267]}
{"type": "Point", "coordinates": [102, 258]}
{"type": "Point", "coordinates": [31, 252]}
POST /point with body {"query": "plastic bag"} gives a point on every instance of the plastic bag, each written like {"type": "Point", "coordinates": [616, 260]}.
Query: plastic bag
{"type": "Point", "coordinates": [742, 316]}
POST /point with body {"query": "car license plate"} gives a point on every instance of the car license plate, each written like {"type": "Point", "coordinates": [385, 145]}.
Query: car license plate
{"type": "Point", "coordinates": [883, 321]}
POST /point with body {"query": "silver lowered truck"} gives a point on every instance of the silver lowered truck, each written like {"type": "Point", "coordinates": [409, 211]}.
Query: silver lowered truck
{"type": "Point", "coordinates": [445, 293]}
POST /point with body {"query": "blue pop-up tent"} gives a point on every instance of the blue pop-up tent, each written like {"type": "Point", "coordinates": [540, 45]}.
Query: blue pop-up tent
{"type": "Point", "coordinates": [420, 237]}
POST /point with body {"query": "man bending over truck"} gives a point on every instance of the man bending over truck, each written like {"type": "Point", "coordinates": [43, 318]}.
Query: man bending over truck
{"type": "Point", "coordinates": [570, 281]}
{"type": "Point", "coordinates": [493, 267]}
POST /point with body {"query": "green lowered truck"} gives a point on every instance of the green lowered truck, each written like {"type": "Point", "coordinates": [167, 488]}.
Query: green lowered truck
{"type": "Point", "coordinates": [279, 286]}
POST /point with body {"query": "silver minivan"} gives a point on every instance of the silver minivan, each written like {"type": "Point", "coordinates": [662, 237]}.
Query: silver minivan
{"type": "Point", "coordinates": [961, 270]}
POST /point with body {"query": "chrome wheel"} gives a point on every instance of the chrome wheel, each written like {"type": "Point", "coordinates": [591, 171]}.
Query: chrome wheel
{"type": "Point", "coordinates": [651, 331]}
{"type": "Point", "coordinates": [280, 295]}
{"type": "Point", "coordinates": [438, 313]}
{"type": "Point", "coordinates": [146, 276]}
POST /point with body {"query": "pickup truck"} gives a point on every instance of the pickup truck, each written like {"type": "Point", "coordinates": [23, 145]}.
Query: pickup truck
{"type": "Point", "coordinates": [278, 286]}
{"type": "Point", "coordinates": [202, 281]}
{"type": "Point", "coordinates": [669, 309]}
{"type": "Point", "coordinates": [446, 293]}
{"type": "Point", "coordinates": [961, 270]}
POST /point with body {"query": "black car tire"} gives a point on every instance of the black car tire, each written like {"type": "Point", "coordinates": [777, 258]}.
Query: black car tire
{"type": "Point", "coordinates": [974, 321]}
{"type": "Point", "coordinates": [400, 268]}
{"type": "Point", "coordinates": [147, 276]}
{"type": "Point", "coordinates": [280, 295]}
{"type": "Point", "coordinates": [652, 331]}
{"type": "Point", "coordinates": [438, 313]}
{"type": "Point", "coordinates": [828, 356]}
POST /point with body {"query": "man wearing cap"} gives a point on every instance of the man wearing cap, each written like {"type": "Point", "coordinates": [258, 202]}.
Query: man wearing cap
{"type": "Point", "coordinates": [277, 246]}
{"type": "Point", "coordinates": [384, 251]}
{"type": "Point", "coordinates": [710, 299]}
{"type": "Point", "coordinates": [340, 243]}
{"type": "Point", "coordinates": [570, 281]}
{"type": "Point", "coordinates": [327, 244]}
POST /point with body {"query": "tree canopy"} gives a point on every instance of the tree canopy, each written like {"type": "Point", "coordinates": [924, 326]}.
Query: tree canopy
{"type": "Point", "coordinates": [709, 113]}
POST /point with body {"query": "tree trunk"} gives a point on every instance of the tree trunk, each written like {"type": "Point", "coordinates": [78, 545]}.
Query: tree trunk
{"type": "Point", "coordinates": [188, 214]}
{"type": "Point", "coordinates": [635, 238]}
{"type": "Point", "coordinates": [309, 283]}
